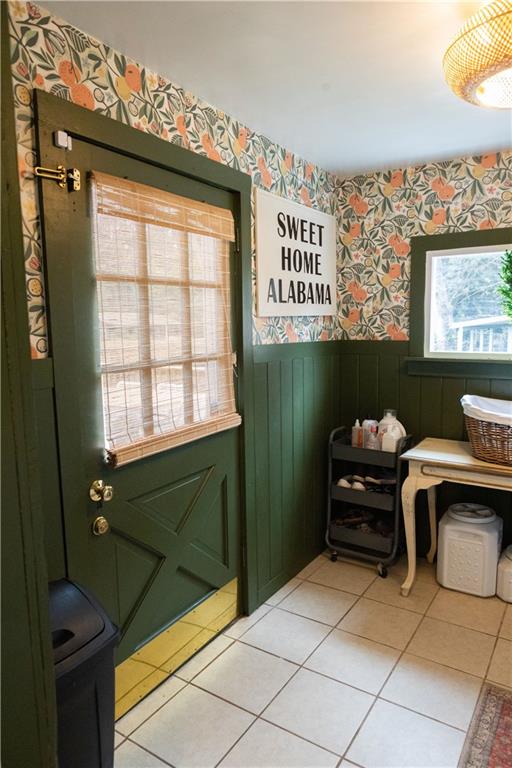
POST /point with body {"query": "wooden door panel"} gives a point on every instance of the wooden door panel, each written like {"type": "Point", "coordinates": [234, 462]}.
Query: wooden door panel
{"type": "Point", "coordinates": [169, 505]}
{"type": "Point", "coordinates": [212, 541]}
{"type": "Point", "coordinates": [177, 534]}
{"type": "Point", "coordinates": [136, 568]}
{"type": "Point", "coordinates": [174, 518]}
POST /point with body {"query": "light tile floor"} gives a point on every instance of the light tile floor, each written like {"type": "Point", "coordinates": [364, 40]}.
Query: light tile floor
{"type": "Point", "coordinates": [336, 670]}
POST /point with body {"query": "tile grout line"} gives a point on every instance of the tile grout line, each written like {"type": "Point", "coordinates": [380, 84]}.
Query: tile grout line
{"type": "Point", "coordinates": [123, 739]}
{"type": "Point", "coordinates": [399, 607]}
{"type": "Point", "coordinates": [297, 736]}
{"type": "Point", "coordinates": [252, 625]}
{"type": "Point", "coordinates": [292, 590]}
{"type": "Point", "coordinates": [318, 621]}
{"type": "Point", "coordinates": [378, 695]}
{"type": "Point", "coordinates": [156, 710]}
{"type": "Point", "coordinates": [462, 626]}
{"type": "Point", "coordinates": [503, 619]}
{"type": "Point", "coordinates": [323, 555]}
{"type": "Point", "coordinates": [451, 623]}
{"type": "Point", "coordinates": [153, 754]}
{"type": "Point", "coordinates": [422, 714]}
{"type": "Point", "coordinates": [332, 628]}
{"type": "Point", "coordinates": [259, 716]}
{"type": "Point", "coordinates": [491, 657]}
{"type": "Point", "coordinates": [405, 650]}
{"type": "Point", "coordinates": [299, 667]}
{"type": "Point", "coordinates": [313, 584]}
{"type": "Point", "coordinates": [443, 664]}
{"type": "Point", "coordinates": [210, 662]}
{"type": "Point", "coordinates": [181, 680]}
{"type": "Point", "coordinates": [169, 677]}
{"type": "Point", "coordinates": [488, 665]}
{"type": "Point", "coordinates": [185, 684]}
{"type": "Point", "coordinates": [302, 666]}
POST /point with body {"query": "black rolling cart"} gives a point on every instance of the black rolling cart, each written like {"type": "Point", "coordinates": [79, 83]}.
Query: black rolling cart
{"type": "Point", "coordinates": [365, 524]}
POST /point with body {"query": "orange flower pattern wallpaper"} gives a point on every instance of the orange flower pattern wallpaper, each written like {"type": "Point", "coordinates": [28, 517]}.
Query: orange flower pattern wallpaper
{"type": "Point", "coordinates": [377, 214]}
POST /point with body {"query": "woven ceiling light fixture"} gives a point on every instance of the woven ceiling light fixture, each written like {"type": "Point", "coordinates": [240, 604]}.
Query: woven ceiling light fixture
{"type": "Point", "coordinates": [478, 63]}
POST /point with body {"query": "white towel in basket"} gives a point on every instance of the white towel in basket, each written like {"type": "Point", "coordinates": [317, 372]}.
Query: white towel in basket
{"type": "Point", "coordinates": [488, 409]}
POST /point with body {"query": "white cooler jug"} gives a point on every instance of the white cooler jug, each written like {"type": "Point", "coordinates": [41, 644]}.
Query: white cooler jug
{"type": "Point", "coordinates": [469, 548]}
{"type": "Point", "coordinates": [504, 586]}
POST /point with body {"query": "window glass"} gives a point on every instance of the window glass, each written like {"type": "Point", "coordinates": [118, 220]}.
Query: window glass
{"type": "Point", "coordinates": [163, 289]}
{"type": "Point", "coordinates": [464, 311]}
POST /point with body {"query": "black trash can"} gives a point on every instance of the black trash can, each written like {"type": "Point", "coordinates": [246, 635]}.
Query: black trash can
{"type": "Point", "coordinates": [83, 639]}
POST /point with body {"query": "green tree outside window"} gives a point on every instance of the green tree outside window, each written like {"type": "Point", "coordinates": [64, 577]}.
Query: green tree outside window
{"type": "Point", "coordinates": [505, 288]}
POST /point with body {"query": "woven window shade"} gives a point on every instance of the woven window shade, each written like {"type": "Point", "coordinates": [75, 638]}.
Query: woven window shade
{"type": "Point", "coordinates": [162, 274]}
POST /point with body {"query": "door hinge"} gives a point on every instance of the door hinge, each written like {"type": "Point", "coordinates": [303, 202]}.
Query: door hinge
{"type": "Point", "coordinates": [69, 178]}
{"type": "Point", "coordinates": [237, 239]}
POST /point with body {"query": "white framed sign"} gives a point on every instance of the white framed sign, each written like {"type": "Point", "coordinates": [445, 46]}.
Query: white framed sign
{"type": "Point", "coordinates": [295, 258]}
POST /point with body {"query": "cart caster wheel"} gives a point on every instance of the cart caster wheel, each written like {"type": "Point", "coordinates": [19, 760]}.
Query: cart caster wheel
{"type": "Point", "coordinates": [334, 557]}
{"type": "Point", "coordinates": [382, 571]}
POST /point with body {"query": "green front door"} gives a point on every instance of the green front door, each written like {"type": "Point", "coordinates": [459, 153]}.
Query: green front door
{"type": "Point", "coordinates": [173, 534]}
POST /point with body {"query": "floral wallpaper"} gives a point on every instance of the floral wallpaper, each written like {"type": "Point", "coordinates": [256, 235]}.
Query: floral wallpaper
{"type": "Point", "coordinates": [50, 54]}
{"type": "Point", "coordinates": [377, 213]}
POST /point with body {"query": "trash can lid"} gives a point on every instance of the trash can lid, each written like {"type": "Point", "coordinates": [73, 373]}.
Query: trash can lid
{"type": "Point", "coordinates": [472, 513]}
{"type": "Point", "coordinates": [74, 619]}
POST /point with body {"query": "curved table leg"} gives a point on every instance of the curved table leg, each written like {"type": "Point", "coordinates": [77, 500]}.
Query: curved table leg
{"type": "Point", "coordinates": [431, 495]}
{"type": "Point", "coordinates": [409, 490]}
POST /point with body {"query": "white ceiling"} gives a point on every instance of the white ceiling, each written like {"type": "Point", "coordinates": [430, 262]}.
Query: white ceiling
{"type": "Point", "coordinates": [351, 86]}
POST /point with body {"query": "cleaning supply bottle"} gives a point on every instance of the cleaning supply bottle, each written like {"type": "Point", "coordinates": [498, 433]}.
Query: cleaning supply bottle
{"type": "Point", "coordinates": [372, 440]}
{"type": "Point", "coordinates": [368, 423]}
{"type": "Point", "coordinates": [391, 437]}
{"type": "Point", "coordinates": [390, 420]}
{"type": "Point", "coordinates": [357, 435]}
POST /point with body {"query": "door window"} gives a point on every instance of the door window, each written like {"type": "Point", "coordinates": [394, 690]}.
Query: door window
{"type": "Point", "coordinates": [163, 287]}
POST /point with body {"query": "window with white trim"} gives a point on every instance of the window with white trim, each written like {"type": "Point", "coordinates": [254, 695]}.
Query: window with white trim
{"type": "Point", "coordinates": [464, 315]}
{"type": "Point", "coordinates": [162, 266]}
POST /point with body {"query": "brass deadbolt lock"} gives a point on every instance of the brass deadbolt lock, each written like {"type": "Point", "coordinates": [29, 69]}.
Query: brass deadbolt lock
{"type": "Point", "coordinates": [99, 491]}
{"type": "Point", "coordinates": [100, 526]}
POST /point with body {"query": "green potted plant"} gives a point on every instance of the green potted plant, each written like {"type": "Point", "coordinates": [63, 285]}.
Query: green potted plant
{"type": "Point", "coordinates": [505, 288]}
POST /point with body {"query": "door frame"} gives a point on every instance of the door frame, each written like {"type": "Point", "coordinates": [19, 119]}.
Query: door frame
{"type": "Point", "coordinates": [52, 114]}
{"type": "Point", "coordinates": [29, 714]}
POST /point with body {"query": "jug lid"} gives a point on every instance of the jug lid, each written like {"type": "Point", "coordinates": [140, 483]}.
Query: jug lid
{"type": "Point", "coordinates": [472, 513]}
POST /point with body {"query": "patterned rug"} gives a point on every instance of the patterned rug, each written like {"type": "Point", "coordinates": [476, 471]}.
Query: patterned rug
{"type": "Point", "coordinates": [489, 740]}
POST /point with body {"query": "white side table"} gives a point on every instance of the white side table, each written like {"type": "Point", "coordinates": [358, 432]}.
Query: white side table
{"type": "Point", "coordinates": [432, 462]}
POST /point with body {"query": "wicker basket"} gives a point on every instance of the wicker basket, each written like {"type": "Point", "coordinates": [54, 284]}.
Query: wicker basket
{"type": "Point", "coordinates": [490, 441]}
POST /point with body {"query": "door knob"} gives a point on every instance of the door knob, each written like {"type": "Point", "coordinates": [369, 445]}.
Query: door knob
{"type": "Point", "coordinates": [100, 526]}
{"type": "Point", "coordinates": [100, 491]}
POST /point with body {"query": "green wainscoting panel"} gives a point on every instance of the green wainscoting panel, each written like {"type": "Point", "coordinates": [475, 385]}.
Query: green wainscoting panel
{"type": "Point", "coordinates": [51, 502]}
{"type": "Point", "coordinates": [301, 392]}
{"type": "Point", "coordinates": [428, 405]}
{"type": "Point", "coordinates": [298, 399]}
{"type": "Point", "coordinates": [373, 379]}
